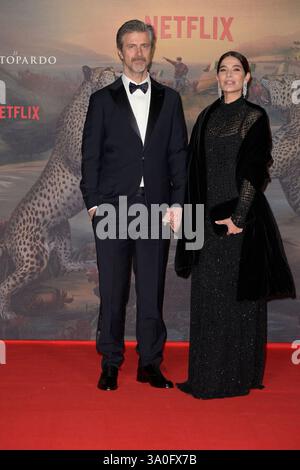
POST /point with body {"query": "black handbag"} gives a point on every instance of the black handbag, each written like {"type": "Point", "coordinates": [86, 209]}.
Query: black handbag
{"type": "Point", "coordinates": [221, 212]}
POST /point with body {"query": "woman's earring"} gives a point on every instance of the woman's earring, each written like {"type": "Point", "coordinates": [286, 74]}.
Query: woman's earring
{"type": "Point", "coordinates": [244, 89]}
{"type": "Point", "coordinates": [219, 90]}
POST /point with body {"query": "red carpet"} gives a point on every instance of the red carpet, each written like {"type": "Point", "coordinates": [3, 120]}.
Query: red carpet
{"type": "Point", "coordinates": [49, 400]}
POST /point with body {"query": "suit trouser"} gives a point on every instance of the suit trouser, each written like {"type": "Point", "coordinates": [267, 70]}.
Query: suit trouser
{"type": "Point", "coordinates": [115, 258]}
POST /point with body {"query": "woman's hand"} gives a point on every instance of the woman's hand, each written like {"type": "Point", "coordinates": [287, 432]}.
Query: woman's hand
{"type": "Point", "coordinates": [231, 228]}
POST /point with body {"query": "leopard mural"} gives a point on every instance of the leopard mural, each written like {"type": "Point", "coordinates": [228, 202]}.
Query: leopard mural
{"type": "Point", "coordinates": [286, 140]}
{"type": "Point", "coordinates": [39, 224]}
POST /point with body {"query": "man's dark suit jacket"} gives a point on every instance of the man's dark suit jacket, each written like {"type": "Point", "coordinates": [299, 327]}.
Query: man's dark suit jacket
{"type": "Point", "coordinates": [114, 158]}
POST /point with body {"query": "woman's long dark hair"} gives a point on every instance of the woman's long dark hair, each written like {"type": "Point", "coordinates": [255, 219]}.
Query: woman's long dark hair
{"type": "Point", "coordinates": [238, 56]}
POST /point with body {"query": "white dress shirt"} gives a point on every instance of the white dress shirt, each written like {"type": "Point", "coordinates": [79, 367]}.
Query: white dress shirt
{"type": "Point", "coordinates": [140, 105]}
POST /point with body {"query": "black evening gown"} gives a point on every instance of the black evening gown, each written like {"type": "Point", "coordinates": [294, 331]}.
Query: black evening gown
{"type": "Point", "coordinates": [227, 337]}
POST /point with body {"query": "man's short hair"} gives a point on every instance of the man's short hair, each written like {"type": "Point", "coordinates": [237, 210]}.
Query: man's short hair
{"type": "Point", "coordinates": [133, 26]}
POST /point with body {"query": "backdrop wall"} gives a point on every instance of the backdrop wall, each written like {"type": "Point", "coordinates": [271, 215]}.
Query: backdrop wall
{"type": "Point", "coordinates": [52, 55]}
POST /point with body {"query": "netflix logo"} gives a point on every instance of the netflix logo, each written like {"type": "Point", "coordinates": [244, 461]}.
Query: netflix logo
{"type": "Point", "coordinates": [20, 112]}
{"type": "Point", "coordinates": [192, 27]}
{"type": "Point", "coordinates": [16, 112]}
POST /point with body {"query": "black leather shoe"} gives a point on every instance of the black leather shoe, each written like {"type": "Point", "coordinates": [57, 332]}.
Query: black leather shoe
{"type": "Point", "coordinates": [152, 375]}
{"type": "Point", "coordinates": [109, 378]}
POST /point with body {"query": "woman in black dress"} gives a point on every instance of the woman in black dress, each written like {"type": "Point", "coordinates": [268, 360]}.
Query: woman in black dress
{"type": "Point", "coordinates": [242, 263]}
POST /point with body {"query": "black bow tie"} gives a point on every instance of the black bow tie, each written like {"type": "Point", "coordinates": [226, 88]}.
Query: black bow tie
{"type": "Point", "coordinates": [133, 87]}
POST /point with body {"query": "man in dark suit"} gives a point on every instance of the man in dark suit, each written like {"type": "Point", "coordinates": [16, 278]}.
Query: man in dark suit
{"type": "Point", "coordinates": [134, 145]}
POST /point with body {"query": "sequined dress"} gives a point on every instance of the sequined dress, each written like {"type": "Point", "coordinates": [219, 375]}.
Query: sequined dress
{"type": "Point", "coordinates": [227, 337]}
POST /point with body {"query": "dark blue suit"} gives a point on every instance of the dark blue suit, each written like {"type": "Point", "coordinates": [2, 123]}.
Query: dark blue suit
{"type": "Point", "coordinates": [114, 161]}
